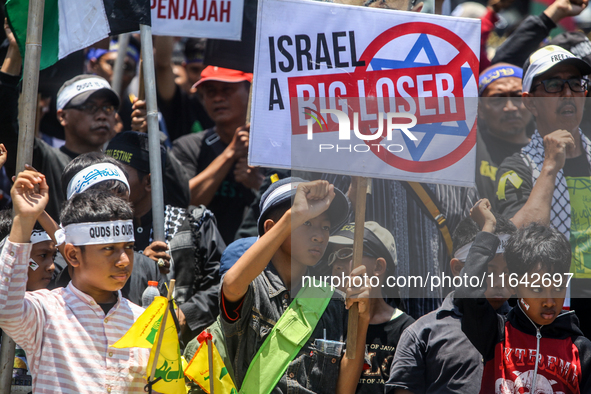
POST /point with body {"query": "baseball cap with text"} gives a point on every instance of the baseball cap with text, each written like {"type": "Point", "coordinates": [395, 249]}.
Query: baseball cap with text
{"type": "Point", "coordinates": [77, 90]}
{"type": "Point", "coordinates": [546, 58]}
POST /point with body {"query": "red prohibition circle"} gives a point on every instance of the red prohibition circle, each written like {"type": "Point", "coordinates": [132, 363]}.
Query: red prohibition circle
{"type": "Point", "coordinates": [465, 55]}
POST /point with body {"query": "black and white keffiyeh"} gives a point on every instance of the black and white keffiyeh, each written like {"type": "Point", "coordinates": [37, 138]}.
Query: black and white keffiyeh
{"type": "Point", "coordinates": [533, 155]}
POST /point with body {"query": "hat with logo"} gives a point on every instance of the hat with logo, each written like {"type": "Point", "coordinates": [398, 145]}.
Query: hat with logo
{"type": "Point", "coordinates": [576, 42]}
{"type": "Point", "coordinates": [377, 241]}
{"type": "Point", "coordinates": [545, 59]}
{"type": "Point", "coordinates": [131, 148]}
{"type": "Point", "coordinates": [215, 73]}
{"type": "Point", "coordinates": [77, 90]}
{"type": "Point", "coordinates": [285, 189]}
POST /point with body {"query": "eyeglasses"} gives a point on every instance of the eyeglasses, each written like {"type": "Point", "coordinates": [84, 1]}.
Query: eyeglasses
{"type": "Point", "coordinates": [92, 109]}
{"type": "Point", "coordinates": [555, 85]}
{"type": "Point", "coordinates": [342, 254]}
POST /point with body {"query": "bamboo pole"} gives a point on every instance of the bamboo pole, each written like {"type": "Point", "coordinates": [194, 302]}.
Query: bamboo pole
{"type": "Point", "coordinates": [153, 133]}
{"type": "Point", "coordinates": [28, 107]}
{"type": "Point", "coordinates": [117, 81]}
{"type": "Point", "coordinates": [161, 332]}
{"type": "Point", "coordinates": [360, 187]}
{"type": "Point", "coordinates": [210, 361]}
{"type": "Point", "coordinates": [27, 115]}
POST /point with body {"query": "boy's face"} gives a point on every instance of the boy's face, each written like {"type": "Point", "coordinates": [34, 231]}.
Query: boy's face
{"type": "Point", "coordinates": [42, 253]}
{"type": "Point", "coordinates": [342, 267]}
{"type": "Point", "coordinates": [541, 304]}
{"type": "Point", "coordinates": [308, 241]}
{"type": "Point", "coordinates": [100, 270]}
{"type": "Point", "coordinates": [496, 293]}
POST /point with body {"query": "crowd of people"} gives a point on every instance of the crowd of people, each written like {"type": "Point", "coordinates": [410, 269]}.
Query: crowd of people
{"type": "Point", "coordinates": [253, 250]}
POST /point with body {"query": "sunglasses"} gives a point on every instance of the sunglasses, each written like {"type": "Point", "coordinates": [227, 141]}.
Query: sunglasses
{"type": "Point", "coordinates": [342, 254]}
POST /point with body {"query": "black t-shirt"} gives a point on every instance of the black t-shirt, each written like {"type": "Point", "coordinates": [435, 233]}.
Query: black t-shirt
{"type": "Point", "coordinates": [490, 153]}
{"type": "Point", "coordinates": [381, 341]}
{"type": "Point", "coordinates": [196, 152]}
{"type": "Point", "coordinates": [577, 172]}
{"type": "Point", "coordinates": [183, 114]}
{"type": "Point", "coordinates": [515, 198]}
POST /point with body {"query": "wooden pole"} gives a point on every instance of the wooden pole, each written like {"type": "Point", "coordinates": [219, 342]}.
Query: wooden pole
{"type": "Point", "coordinates": [28, 107]}
{"type": "Point", "coordinates": [161, 331]}
{"type": "Point", "coordinates": [210, 360]}
{"type": "Point", "coordinates": [153, 133]}
{"type": "Point", "coordinates": [117, 82]}
{"type": "Point", "coordinates": [27, 115]}
{"type": "Point", "coordinates": [360, 187]}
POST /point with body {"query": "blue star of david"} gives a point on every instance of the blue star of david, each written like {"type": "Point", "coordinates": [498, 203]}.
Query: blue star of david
{"type": "Point", "coordinates": [430, 130]}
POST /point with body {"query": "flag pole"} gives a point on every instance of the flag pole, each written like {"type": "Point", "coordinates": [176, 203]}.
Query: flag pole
{"type": "Point", "coordinates": [123, 43]}
{"type": "Point", "coordinates": [27, 113]}
{"type": "Point", "coordinates": [153, 133]}
{"type": "Point", "coordinates": [161, 334]}
{"type": "Point", "coordinates": [210, 361]}
{"type": "Point", "coordinates": [360, 200]}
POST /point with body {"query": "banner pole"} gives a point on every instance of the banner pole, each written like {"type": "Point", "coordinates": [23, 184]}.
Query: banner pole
{"type": "Point", "coordinates": [360, 187]}
{"type": "Point", "coordinates": [153, 133]}
{"type": "Point", "coordinates": [26, 136]}
{"type": "Point", "coordinates": [28, 104]}
{"type": "Point", "coordinates": [117, 82]}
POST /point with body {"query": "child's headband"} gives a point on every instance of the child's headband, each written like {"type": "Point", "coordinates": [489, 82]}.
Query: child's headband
{"type": "Point", "coordinates": [92, 175]}
{"type": "Point", "coordinates": [462, 253]}
{"type": "Point", "coordinates": [96, 233]}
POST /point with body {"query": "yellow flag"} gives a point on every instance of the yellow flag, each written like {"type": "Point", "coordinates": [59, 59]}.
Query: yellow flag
{"type": "Point", "coordinates": [198, 369]}
{"type": "Point", "coordinates": [144, 333]}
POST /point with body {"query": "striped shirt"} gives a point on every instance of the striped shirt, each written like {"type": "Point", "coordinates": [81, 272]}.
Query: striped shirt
{"type": "Point", "coordinates": [66, 334]}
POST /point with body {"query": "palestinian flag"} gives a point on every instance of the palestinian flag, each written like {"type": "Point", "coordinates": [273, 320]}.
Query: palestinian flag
{"type": "Point", "coordinates": [71, 25]}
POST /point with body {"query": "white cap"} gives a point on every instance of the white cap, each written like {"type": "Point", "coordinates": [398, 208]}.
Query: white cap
{"type": "Point", "coordinates": [547, 57]}
{"type": "Point", "coordinates": [81, 87]}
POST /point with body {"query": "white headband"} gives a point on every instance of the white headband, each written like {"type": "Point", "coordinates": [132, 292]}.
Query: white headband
{"type": "Point", "coordinates": [36, 237]}
{"type": "Point", "coordinates": [79, 87]}
{"type": "Point", "coordinates": [98, 233]}
{"type": "Point", "coordinates": [39, 236]}
{"type": "Point", "coordinates": [462, 253]}
{"type": "Point", "coordinates": [277, 192]}
{"type": "Point", "coordinates": [92, 175]}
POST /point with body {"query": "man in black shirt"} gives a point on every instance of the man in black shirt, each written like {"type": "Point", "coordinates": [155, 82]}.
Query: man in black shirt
{"type": "Point", "coordinates": [502, 121]}
{"type": "Point", "coordinates": [550, 180]}
{"type": "Point", "coordinates": [216, 159]}
{"type": "Point", "coordinates": [86, 109]}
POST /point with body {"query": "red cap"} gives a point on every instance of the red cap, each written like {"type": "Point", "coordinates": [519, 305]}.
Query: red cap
{"type": "Point", "coordinates": [215, 73]}
{"type": "Point", "coordinates": [152, 283]}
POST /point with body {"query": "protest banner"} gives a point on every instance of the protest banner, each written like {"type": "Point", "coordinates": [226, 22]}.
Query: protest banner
{"type": "Point", "coordinates": [198, 18]}
{"type": "Point", "coordinates": [367, 92]}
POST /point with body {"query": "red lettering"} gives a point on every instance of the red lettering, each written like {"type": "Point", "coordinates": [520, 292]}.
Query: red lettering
{"type": "Point", "coordinates": [153, 4]}
{"type": "Point", "coordinates": [213, 11]}
{"type": "Point", "coordinates": [173, 9]}
{"type": "Point", "coordinates": [160, 8]}
{"type": "Point", "coordinates": [193, 11]}
{"type": "Point", "coordinates": [204, 10]}
{"type": "Point", "coordinates": [226, 11]}
{"type": "Point", "coordinates": [184, 10]}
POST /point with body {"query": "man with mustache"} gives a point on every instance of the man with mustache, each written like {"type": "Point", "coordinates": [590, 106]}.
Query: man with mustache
{"type": "Point", "coordinates": [549, 182]}
{"type": "Point", "coordinates": [502, 121]}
